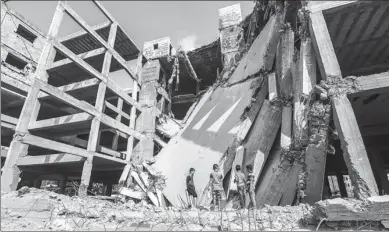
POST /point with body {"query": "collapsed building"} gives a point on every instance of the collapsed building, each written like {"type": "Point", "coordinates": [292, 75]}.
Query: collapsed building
{"type": "Point", "coordinates": [297, 89]}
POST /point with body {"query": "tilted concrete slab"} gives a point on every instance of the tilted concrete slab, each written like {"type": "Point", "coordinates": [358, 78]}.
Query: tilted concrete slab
{"type": "Point", "coordinates": [209, 131]}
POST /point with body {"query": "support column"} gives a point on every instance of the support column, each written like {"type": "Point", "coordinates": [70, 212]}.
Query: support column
{"type": "Point", "coordinates": [37, 183]}
{"type": "Point", "coordinates": [116, 137]}
{"type": "Point", "coordinates": [108, 189]}
{"type": "Point", "coordinates": [62, 184]}
{"type": "Point", "coordinates": [94, 135]}
{"type": "Point", "coordinates": [316, 152]}
{"type": "Point", "coordinates": [145, 123]}
{"type": "Point", "coordinates": [326, 188]}
{"type": "Point", "coordinates": [231, 35]}
{"type": "Point", "coordinates": [133, 115]}
{"type": "Point", "coordinates": [354, 151]}
{"type": "Point", "coordinates": [10, 175]}
{"type": "Point", "coordinates": [341, 184]}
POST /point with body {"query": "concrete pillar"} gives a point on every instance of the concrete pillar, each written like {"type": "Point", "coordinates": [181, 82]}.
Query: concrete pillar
{"type": "Point", "coordinates": [145, 122]}
{"type": "Point", "coordinates": [108, 188]}
{"type": "Point", "coordinates": [62, 184]}
{"type": "Point", "coordinates": [354, 152]}
{"type": "Point", "coordinates": [341, 184]}
{"type": "Point", "coordinates": [37, 183]}
{"type": "Point", "coordinates": [326, 188]}
{"type": "Point", "coordinates": [231, 34]}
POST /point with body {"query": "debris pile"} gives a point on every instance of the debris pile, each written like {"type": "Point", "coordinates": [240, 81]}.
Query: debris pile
{"type": "Point", "coordinates": [35, 209]}
{"type": "Point", "coordinates": [144, 184]}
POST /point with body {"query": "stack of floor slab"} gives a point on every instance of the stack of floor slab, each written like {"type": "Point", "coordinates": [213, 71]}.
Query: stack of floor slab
{"type": "Point", "coordinates": [216, 126]}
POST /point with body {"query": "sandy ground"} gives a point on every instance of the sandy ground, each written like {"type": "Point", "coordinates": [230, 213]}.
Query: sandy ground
{"type": "Point", "coordinates": [43, 210]}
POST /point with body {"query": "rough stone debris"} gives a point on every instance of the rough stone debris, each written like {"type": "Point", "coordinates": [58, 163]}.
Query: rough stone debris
{"type": "Point", "coordinates": [236, 111]}
{"type": "Point", "coordinates": [44, 210]}
{"type": "Point", "coordinates": [372, 209]}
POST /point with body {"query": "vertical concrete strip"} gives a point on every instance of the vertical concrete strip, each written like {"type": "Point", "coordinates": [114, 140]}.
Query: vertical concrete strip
{"type": "Point", "coordinates": [354, 151]}
{"type": "Point", "coordinates": [10, 175]}
{"type": "Point", "coordinates": [262, 136]}
{"type": "Point", "coordinates": [237, 161]}
{"type": "Point", "coordinates": [316, 151]}
{"type": "Point", "coordinates": [284, 60]}
{"type": "Point", "coordinates": [145, 122]}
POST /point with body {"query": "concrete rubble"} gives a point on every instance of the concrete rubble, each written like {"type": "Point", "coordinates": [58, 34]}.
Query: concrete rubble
{"type": "Point", "coordinates": [296, 89]}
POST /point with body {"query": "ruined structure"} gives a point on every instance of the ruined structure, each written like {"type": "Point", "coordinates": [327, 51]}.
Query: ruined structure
{"type": "Point", "coordinates": [297, 89]}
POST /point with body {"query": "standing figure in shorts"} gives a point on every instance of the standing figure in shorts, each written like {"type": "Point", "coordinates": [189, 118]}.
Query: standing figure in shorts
{"type": "Point", "coordinates": [250, 186]}
{"type": "Point", "coordinates": [191, 188]}
{"type": "Point", "coordinates": [240, 180]}
{"type": "Point", "coordinates": [216, 180]}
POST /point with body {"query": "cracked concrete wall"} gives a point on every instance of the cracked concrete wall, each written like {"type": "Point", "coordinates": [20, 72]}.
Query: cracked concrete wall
{"type": "Point", "coordinates": [19, 47]}
{"type": "Point", "coordinates": [16, 43]}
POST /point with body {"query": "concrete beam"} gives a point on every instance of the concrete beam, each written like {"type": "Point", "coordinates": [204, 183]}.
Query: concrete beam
{"type": "Point", "coordinates": [83, 56]}
{"type": "Point", "coordinates": [83, 32]}
{"type": "Point", "coordinates": [354, 151]}
{"type": "Point", "coordinates": [63, 121]}
{"type": "Point", "coordinates": [192, 72]}
{"type": "Point", "coordinates": [325, 52]}
{"type": "Point", "coordinates": [9, 119]}
{"type": "Point", "coordinates": [326, 5]}
{"type": "Point", "coordinates": [262, 136]}
{"type": "Point", "coordinates": [304, 78]}
{"type": "Point", "coordinates": [185, 98]}
{"type": "Point", "coordinates": [375, 83]}
{"type": "Point", "coordinates": [273, 87]}
{"type": "Point", "coordinates": [61, 147]}
{"type": "Point", "coordinates": [108, 46]}
{"type": "Point", "coordinates": [62, 96]}
{"type": "Point", "coordinates": [109, 15]}
{"type": "Point", "coordinates": [284, 59]}
{"type": "Point", "coordinates": [88, 68]}
{"type": "Point", "coordinates": [49, 159]}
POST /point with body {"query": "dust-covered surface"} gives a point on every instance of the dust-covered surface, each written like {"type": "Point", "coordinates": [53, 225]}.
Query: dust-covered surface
{"type": "Point", "coordinates": [33, 209]}
{"type": "Point", "coordinates": [372, 209]}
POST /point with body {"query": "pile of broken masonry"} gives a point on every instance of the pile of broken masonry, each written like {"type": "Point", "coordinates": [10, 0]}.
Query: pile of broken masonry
{"type": "Point", "coordinates": [35, 209]}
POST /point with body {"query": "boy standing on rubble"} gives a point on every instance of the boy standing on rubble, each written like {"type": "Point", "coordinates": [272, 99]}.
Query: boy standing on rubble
{"type": "Point", "coordinates": [250, 186]}
{"type": "Point", "coordinates": [216, 180]}
{"type": "Point", "coordinates": [240, 180]}
{"type": "Point", "coordinates": [191, 188]}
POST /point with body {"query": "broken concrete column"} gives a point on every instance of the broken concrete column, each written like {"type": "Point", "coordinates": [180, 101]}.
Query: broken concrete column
{"type": "Point", "coordinates": [108, 188]}
{"type": "Point", "coordinates": [145, 122]}
{"type": "Point", "coordinates": [354, 151]}
{"type": "Point", "coordinates": [231, 35]}
{"type": "Point", "coordinates": [262, 136]}
{"type": "Point", "coordinates": [316, 152]}
{"type": "Point", "coordinates": [62, 184]}
{"type": "Point", "coordinates": [284, 61]}
{"type": "Point", "coordinates": [37, 183]}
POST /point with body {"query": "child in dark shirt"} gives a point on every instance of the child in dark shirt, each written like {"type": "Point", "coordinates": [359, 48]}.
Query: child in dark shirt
{"type": "Point", "coordinates": [191, 188]}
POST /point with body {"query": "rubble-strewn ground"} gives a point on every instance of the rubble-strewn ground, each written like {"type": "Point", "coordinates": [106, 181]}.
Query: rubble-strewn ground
{"type": "Point", "coordinates": [37, 209]}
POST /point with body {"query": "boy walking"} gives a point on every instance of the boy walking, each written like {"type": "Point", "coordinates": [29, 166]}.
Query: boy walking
{"type": "Point", "coordinates": [250, 185]}
{"type": "Point", "coordinates": [191, 188]}
{"type": "Point", "coordinates": [240, 180]}
{"type": "Point", "coordinates": [216, 180]}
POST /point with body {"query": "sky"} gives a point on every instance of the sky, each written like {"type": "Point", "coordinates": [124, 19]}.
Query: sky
{"type": "Point", "coordinates": [189, 24]}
